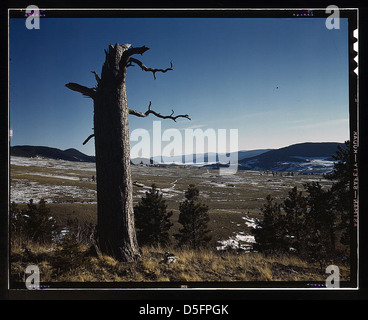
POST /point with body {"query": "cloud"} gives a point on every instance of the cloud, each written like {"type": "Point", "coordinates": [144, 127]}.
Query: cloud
{"type": "Point", "coordinates": [321, 124]}
{"type": "Point", "coordinates": [187, 125]}
{"type": "Point", "coordinates": [295, 121]}
{"type": "Point", "coordinates": [196, 126]}
{"type": "Point", "coordinates": [245, 115]}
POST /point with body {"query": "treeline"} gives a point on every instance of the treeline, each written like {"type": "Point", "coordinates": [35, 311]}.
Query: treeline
{"type": "Point", "coordinates": [34, 224]}
{"type": "Point", "coordinates": [311, 223]}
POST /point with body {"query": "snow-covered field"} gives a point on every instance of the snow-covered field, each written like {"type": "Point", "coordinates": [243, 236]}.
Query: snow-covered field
{"type": "Point", "coordinates": [313, 165]}
{"type": "Point", "coordinates": [21, 190]}
{"type": "Point", "coordinates": [52, 163]}
{"type": "Point", "coordinates": [54, 181]}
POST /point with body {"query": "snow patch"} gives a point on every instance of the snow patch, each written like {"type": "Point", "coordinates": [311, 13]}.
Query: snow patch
{"type": "Point", "coordinates": [240, 241]}
{"type": "Point", "coordinates": [250, 222]}
{"type": "Point", "coordinates": [21, 191]}
{"type": "Point", "coordinates": [51, 163]}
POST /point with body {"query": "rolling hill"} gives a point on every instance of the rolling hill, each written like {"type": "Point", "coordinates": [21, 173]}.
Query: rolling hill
{"type": "Point", "coordinates": [308, 157]}
{"type": "Point", "coordinates": [51, 153]}
{"type": "Point", "coordinates": [305, 157]}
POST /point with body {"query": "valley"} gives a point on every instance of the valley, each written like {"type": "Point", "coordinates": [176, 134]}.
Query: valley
{"type": "Point", "coordinates": [234, 201]}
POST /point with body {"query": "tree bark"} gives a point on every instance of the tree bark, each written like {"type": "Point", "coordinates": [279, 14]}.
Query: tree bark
{"type": "Point", "coordinates": [115, 220]}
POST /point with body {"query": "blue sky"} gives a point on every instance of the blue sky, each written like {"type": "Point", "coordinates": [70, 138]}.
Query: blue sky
{"type": "Point", "coordinates": [278, 81]}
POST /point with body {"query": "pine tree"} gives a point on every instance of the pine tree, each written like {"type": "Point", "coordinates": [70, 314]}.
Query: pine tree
{"type": "Point", "coordinates": [152, 220]}
{"type": "Point", "coordinates": [320, 223]}
{"type": "Point", "coordinates": [69, 255]}
{"type": "Point", "coordinates": [341, 191]}
{"type": "Point", "coordinates": [194, 219]}
{"type": "Point", "coordinates": [37, 223]}
{"type": "Point", "coordinates": [270, 233]}
{"type": "Point", "coordinates": [295, 207]}
{"type": "Point", "coordinates": [17, 224]}
{"type": "Point", "coordinates": [342, 167]}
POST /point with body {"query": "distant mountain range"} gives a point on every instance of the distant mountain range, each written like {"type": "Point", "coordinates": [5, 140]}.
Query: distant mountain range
{"type": "Point", "coordinates": [207, 157]}
{"type": "Point", "coordinates": [75, 155]}
{"type": "Point", "coordinates": [51, 153]}
{"type": "Point", "coordinates": [308, 157]}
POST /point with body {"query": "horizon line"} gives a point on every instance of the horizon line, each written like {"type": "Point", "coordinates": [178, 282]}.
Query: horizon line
{"type": "Point", "coordinates": [182, 155]}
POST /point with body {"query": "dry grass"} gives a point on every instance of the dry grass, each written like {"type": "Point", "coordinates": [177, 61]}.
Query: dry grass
{"type": "Point", "coordinates": [202, 266]}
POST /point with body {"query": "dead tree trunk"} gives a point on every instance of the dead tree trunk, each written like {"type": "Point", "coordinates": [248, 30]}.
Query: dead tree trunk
{"type": "Point", "coordinates": [115, 218]}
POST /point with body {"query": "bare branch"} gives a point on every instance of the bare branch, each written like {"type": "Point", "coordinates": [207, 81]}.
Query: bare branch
{"type": "Point", "coordinates": [89, 92]}
{"type": "Point", "coordinates": [129, 52]}
{"type": "Point", "coordinates": [144, 68]}
{"type": "Point", "coordinates": [90, 137]}
{"type": "Point", "coordinates": [149, 111]}
{"type": "Point", "coordinates": [96, 77]}
{"type": "Point", "coordinates": [138, 50]}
